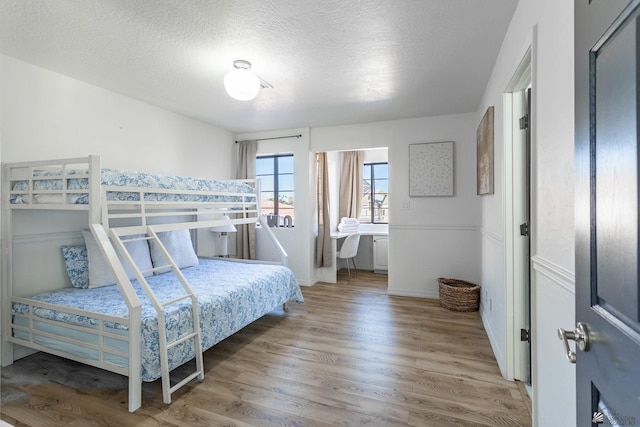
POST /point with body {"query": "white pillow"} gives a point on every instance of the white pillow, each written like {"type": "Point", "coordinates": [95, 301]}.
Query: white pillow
{"type": "Point", "coordinates": [99, 272]}
{"type": "Point", "coordinates": [178, 244]}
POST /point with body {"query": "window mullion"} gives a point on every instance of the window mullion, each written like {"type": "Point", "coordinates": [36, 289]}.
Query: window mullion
{"type": "Point", "coordinates": [372, 202]}
{"type": "Point", "coordinates": [276, 179]}
{"type": "Point", "coordinates": [274, 174]}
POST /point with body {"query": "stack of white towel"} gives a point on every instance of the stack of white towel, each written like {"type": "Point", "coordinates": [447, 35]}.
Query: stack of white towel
{"type": "Point", "coordinates": [349, 225]}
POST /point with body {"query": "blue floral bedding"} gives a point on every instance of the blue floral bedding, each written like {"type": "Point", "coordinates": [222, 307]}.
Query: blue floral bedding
{"type": "Point", "coordinates": [230, 296]}
{"type": "Point", "coordinates": [121, 178]}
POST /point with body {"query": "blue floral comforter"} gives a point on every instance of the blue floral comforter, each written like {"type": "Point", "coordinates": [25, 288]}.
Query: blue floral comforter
{"type": "Point", "coordinates": [122, 178]}
{"type": "Point", "coordinates": [230, 295]}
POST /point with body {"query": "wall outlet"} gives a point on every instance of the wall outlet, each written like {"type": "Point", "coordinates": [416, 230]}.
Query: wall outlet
{"type": "Point", "coordinates": [406, 204]}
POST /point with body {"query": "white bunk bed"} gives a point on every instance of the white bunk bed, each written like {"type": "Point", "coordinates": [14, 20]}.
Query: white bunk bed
{"type": "Point", "coordinates": [161, 312]}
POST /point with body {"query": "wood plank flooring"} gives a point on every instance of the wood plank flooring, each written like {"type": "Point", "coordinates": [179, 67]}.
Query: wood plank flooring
{"type": "Point", "coordinates": [350, 355]}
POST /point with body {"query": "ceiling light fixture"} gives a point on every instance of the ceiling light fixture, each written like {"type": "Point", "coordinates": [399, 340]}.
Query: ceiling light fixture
{"type": "Point", "coordinates": [241, 83]}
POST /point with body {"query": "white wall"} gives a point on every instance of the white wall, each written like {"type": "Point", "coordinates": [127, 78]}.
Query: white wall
{"type": "Point", "coordinates": [436, 236]}
{"type": "Point", "coordinates": [548, 26]}
{"type": "Point", "coordinates": [48, 115]}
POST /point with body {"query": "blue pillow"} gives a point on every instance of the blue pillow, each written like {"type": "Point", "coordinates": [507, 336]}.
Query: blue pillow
{"type": "Point", "coordinates": [76, 261]}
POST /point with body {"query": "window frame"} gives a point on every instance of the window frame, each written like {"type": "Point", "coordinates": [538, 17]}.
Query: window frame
{"type": "Point", "coordinates": [276, 175]}
{"type": "Point", "coordinates": [373, 188]}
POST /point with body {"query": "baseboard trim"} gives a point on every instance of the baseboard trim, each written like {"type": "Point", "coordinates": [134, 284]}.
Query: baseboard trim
{"type": "Point", "coordinates": [497, 353]}
{"type": "Point", "coordinates": [413, 293]}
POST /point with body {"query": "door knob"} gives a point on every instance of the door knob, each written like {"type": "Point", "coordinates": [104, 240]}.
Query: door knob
{"type": "Point", "coordinates": [580, 335]}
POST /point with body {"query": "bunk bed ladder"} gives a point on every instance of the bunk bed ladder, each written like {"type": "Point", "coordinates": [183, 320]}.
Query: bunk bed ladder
{"type": "Point", "coordinates": [195, 335]}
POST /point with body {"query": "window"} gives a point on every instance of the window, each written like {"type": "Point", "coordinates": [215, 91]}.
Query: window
{"type": "Point", "coordinates": [375, 193]}
{"type": "Point", "coordinates": [276, 185]}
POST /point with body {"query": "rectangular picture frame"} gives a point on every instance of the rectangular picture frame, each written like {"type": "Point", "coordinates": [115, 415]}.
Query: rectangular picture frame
{"type": "Point", "coordinates": [431, 169]}
{"type": "Point", "coordinates": [485, 154]}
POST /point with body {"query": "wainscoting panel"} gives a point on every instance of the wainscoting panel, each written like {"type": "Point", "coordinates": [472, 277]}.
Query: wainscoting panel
{"type": "Point", "coordinates": [492, 298]}
{"type": "Point", "coordinates": [419, 255]}
{"type": "Point", "coordinates": [553, 307]}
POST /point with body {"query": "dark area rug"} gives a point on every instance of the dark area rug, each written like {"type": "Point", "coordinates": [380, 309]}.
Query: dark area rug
{"type": "Point", "coordinates": [42, 368]}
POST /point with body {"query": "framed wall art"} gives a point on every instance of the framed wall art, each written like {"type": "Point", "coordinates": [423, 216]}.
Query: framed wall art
{"type": "Point", "coordinates": [485, 153]}
{"type": "Point", "coordinates": [431, 169]}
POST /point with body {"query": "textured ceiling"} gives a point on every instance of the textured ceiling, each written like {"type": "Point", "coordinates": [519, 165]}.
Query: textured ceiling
{"type": "Point", "coordinates": [330, 62]}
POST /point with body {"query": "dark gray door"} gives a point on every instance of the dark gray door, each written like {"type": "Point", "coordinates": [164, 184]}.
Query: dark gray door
{"type": "Point", "coordinates": [607, 247]}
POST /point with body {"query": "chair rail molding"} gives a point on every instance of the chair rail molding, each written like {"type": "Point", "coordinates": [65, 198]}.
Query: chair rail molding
{"type": "Point", "coordinates": [435, 227]}
{"type": "Point", "coordinates": [495, 237]}
{"type": "Point", "coordinates": [557, 274]}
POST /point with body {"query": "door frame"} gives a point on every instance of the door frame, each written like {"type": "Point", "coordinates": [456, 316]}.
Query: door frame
{"type": "Point", "coordinates": [515, 310]}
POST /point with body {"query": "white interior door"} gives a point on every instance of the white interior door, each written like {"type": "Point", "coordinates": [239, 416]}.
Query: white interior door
{"type": "Point", "coordinates": [522, 223]}
{"type": "Point", "coordinates": [517, 220]}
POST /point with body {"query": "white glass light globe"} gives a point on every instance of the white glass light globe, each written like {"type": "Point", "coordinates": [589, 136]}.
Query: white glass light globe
{"type": "Point", "coordinates": [242, 84]}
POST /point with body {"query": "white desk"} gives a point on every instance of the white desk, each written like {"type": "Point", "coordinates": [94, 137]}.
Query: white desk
{"type": "Point", "coordinates": [335, 235]}
{"type": "Point", "coordinates": [331, 276]}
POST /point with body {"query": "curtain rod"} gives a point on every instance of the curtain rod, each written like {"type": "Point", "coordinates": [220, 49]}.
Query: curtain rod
{"type": "Point", "coordinates": [278, 137]}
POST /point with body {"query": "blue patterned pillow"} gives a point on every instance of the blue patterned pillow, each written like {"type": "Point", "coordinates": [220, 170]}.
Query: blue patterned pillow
{"type": "Point", "coordinates": [77, 263]}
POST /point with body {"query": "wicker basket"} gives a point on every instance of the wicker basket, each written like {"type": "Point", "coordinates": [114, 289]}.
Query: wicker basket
{"type": "Point", "coordinates": [458, 295]}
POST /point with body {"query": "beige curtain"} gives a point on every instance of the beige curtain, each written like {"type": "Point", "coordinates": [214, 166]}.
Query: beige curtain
{"type": "Point", "coordinates": [324, 257]}
{"type": "Point", "coordinates": [246, 169]}
{"type": "Point", "coordinates": [351, 184]}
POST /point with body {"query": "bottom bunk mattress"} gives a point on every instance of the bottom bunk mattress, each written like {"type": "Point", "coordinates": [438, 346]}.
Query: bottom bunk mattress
{"type": "Point", "coordinates": [230, 296]}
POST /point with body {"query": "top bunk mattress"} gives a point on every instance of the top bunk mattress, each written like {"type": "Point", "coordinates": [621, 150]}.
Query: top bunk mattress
{"type": "Point", "coordinates": [58, 187]}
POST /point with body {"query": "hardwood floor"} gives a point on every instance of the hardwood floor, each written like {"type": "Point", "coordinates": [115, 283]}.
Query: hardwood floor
{"type": "Point", "coordinates": [350, 355]}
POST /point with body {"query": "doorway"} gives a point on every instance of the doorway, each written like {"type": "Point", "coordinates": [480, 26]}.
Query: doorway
{"type": "Point", "coordinates": [372, 252]}
{"type": "Point", "coordinates": [517, 119]}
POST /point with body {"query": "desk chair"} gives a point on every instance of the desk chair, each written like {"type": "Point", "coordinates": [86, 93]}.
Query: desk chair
{"type": "Point", "coordinates": [349, 249]}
